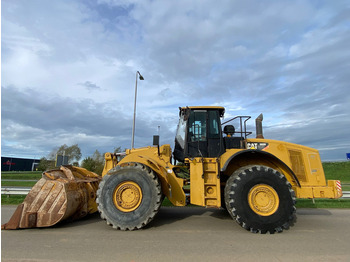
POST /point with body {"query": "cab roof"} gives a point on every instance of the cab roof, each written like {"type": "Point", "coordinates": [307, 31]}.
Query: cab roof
{"type": "Point", "coordinates": [219, 108]}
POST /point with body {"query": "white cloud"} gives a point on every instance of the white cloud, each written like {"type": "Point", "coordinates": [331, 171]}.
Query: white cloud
{"type": "Point", "coordinates": [316, 40]}
{"type": "Point", "coordinates": [78, 59]}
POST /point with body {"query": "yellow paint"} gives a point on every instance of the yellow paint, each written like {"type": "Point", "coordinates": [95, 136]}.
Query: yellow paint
{"type": "Point", "coordinates": [263, 200]}
{"type": "Point", "coordinates": [110, 162]}
{"type": "Point", "coordinates": [299, 164]}
{"type": "Point", "coordinates": [329, 191]}
{"type": "Point", "coordinates": [205, 182]}
{"type": "Point", "coordinates": [290, 160]}
{"type": "Point", "coordinates": [127, 196]}
{"type": "Point", "coordinates": [159, 162]}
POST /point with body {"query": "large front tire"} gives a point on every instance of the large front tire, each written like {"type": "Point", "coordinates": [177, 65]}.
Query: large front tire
{"type": "Point", "coordinates": [129, 197]}
{"type": "Point", "coordinates": [260, 199]}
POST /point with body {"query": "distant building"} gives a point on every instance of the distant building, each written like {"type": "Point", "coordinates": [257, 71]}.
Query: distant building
{"type": "Point", "coordinates": [18, 164]}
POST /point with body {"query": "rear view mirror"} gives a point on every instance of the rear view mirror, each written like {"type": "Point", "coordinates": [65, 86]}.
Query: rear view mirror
{"type": "Point", "coordinates": [156, 140]}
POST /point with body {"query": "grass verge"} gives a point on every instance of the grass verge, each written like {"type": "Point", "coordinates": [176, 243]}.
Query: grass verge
{"type": "Point", "coordinates": [21, 175]}
{"type": "Point", "coordinates": [337, 170]}
{"type": "Point", "coordinates": [12, 199]}
{"type": "Point", "coordinates": [323, 203]}
{"type": "Point", "coordinates": [345, 187]}
{"type": "Point", "coordinates": [18, 183]}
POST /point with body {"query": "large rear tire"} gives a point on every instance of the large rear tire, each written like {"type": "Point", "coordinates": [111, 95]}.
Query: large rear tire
{"type": "Point", "coordinates": [129, 197]}
{"type": "Point", "coordinates": [260, 199]}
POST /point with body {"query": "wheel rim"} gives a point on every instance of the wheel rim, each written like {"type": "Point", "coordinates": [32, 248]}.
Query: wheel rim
{"type": "Point", "coordinates": [127, 196]}
{"type": "Point", "coordinates": [263, 200]}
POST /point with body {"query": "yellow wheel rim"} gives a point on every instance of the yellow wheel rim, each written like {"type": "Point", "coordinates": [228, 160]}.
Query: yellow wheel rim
{"type": "Point", "coordinates": [127, 196]}
{"type": "Point", "coordinates": [263, 200]}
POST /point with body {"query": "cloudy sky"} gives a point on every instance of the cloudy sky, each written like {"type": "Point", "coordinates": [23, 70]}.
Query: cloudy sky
{"type": "Point", "coordinates": [68, 70]}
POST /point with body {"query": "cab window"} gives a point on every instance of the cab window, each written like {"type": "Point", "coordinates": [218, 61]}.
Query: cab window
{"type": "Point", "coordinates": [213, 119]}
{"type": "Point", "coordinates": [197, 129]}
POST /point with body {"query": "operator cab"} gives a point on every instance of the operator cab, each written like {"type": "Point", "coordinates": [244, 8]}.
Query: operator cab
{"type": "Point", "coordinates": [199, 133]}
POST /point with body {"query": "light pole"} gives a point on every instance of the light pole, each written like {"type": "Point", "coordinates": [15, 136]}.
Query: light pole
{"type": "Point", "coordinates": [138, 75]}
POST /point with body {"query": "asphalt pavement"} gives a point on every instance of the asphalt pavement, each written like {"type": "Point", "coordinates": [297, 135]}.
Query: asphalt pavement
{"type": "Point", "coordinates": [182, 234]}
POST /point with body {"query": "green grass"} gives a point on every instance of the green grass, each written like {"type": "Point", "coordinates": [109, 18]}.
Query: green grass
{"type": "Point", "coordinates": [18, 183]}
{"type": "Point", "coordinates": [21, 175]}
{"type": "Point", "coordinates": [323, 203]}
{"type": "Point", "coordinates": [345, 187]}
{"type": "Point", "coordinates": [166, 203]}
{"type": "Point", "coordinates": [12, 199]}
{"type": "Point", "coordinates": [17, 199]}
{"type": "Point", "coordinates": [337, 171]}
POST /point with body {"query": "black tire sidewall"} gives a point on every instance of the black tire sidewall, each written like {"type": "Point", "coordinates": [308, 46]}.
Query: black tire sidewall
{"type": "Point", "coordinates": [141, 215]}
{"type": "Point", "coordinates": [240, 208]}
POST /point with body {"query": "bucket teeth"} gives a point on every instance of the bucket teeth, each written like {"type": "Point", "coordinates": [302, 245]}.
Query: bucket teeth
{"type": "Point", "coordinates": [65, 193]}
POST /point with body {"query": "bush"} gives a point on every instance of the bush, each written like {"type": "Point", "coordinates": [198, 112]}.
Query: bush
{"type": "Point", "coordinates": [94, 164]}
{"type": "Point", "coordinates": [45, 164]}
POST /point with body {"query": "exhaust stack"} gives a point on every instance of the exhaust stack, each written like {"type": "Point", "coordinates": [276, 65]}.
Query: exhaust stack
{"type": "Point", "coordinates": [258, 125]}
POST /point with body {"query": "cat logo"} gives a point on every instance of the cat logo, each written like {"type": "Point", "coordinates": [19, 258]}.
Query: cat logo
{"type": "Point", "coordinates": [257, 146]}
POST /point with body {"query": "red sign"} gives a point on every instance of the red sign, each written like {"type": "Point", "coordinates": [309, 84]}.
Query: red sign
{"type": "Point", "coordinates": [9, 163]}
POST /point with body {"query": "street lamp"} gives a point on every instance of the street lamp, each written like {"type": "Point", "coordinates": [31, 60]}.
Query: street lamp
{"type": "Point", "coordinates": [138, 75]}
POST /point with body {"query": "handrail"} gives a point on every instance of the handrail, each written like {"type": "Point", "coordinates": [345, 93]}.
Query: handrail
{"type": "Point", "coordinates": [245, 132]}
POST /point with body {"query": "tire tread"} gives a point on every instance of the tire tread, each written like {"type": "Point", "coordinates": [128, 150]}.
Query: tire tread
{"type": "Point", "coordinates": [231, 186]}
{"type": "Point", "coordinates": [150, 173]}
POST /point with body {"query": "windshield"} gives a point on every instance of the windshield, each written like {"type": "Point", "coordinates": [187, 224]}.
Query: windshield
{"type": "Point", "coordinates": [181, 131]}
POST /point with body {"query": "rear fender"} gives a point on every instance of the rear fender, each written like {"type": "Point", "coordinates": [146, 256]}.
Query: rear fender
{"type": "Point", "coordinates": [255, 157]}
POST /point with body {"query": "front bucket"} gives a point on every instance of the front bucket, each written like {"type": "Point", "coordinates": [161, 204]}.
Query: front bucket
{"type": "Point", "coordinates": [68, 192]}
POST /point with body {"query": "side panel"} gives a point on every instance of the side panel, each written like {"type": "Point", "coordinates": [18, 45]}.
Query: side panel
{"type": "Point", "coordinates": [197, 182]}
{"type": "Point", "coordinates": [205, 182]}
{"type": "Point", "coordinates": [307, 166]}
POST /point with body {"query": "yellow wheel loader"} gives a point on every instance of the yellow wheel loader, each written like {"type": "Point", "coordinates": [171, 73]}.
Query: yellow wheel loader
{"type": "Point", "coordinates": [213, 165]}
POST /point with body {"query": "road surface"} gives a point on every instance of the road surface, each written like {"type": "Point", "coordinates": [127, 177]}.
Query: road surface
{"type": "Point", "coordinates": [183, 234]}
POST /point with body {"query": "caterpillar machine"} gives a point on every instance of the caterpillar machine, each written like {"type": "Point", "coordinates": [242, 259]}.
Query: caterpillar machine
{"type": "Point", "coordinates": [257, 180]}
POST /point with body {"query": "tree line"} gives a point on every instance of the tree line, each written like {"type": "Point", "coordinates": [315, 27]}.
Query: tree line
{"type": "Point", "coordinates": [94, 163]}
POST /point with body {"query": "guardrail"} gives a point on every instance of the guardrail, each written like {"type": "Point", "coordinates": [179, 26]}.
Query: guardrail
{"type": "Point", "coordinates": [15, 190]}
{"type": "Point", "coordinates": [25, 191]}
{"type": "Point", "coordinates": [346, 194]}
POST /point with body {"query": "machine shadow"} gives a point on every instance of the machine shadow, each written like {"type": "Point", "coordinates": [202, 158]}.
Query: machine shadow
{"type": "Point", "coordinates": [165, 216]}
{"type": "Point", "coordinates": [170, 215]}
{"type": "Point", "coordinates": [89, 219]}
{"type": "Point", "coordinates": [313, 212]}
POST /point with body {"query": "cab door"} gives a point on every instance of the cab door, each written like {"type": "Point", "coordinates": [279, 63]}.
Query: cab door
{"type": "Point", "coordinates": [197, 134]}
{"type": "Point", "coordinates": [204, 134]}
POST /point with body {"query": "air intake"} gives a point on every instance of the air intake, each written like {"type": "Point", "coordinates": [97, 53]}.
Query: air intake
{"type": "Point", "coordinates": [258, 125]}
